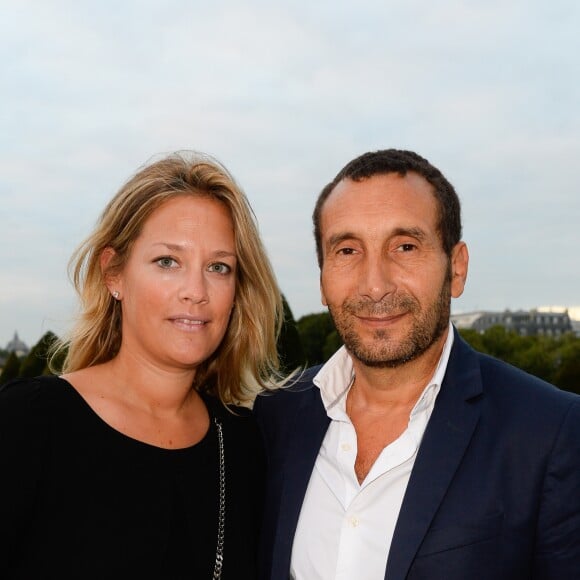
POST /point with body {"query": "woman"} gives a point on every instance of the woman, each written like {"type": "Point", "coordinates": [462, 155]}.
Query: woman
{"type": "Point", "coordinates": [129, 465]}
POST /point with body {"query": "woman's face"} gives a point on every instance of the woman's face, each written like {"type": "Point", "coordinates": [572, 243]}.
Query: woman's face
{"type": "Point", "coordinates": [178, 286]}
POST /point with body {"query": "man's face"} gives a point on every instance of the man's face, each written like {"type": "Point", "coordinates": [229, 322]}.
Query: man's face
{"type": "Point", "coordinates": [385, 277]}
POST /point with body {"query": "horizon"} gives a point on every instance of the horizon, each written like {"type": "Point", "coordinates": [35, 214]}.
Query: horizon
{"type": "Point", "coordinates": [573, 313]}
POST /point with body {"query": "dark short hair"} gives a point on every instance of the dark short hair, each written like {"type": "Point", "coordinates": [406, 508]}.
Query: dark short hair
{"type": "Point", "coordinates": [399, 161]}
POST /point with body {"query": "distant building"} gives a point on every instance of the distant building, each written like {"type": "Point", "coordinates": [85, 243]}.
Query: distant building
{"type": "Point", "coordinates": [17, 346]}
{"type": "Point", "coordinates": [573, 313]}
{"type": "Point", "coordinates": [524, 322]}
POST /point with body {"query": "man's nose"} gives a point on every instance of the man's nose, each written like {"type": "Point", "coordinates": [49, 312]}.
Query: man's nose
{"type": "Point", "coordinates": [377, 280]}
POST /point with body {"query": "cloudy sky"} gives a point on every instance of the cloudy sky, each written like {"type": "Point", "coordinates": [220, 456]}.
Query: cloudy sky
{"type": "Point", "coordinates": [284, 94]}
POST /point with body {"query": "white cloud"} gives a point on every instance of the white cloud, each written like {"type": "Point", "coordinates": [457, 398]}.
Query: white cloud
{"type": "Point", "coordinates": [285, 95]}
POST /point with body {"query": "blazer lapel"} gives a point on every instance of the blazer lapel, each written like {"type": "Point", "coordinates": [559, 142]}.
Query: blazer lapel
{"type": "Point", "coordinates": [446, 438]}
{"type": "Point", "coordinates": [310, 426]}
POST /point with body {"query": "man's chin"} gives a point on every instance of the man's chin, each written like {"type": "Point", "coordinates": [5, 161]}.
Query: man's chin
{"type": "Point", "coordinates": [379, 356]}
{"type": "Point", "coordinates": [390, 361]}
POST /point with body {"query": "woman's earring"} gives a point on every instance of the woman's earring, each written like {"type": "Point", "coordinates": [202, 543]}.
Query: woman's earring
{"type": "Point", "coordinates": [116, 295]}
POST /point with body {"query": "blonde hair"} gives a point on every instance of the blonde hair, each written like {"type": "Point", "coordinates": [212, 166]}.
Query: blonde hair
{"type": "Point", "coordinates": [246, 361]}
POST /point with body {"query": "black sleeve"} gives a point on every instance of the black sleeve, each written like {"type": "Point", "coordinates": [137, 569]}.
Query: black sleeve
{"type": "Point", "coordinates": [23, 438]}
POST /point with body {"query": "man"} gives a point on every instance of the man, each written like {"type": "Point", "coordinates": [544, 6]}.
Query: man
{"type": "Point", "coordinates": [408, 454]}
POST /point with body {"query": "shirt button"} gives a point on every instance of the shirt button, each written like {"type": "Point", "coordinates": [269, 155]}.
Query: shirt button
{"type": "Point", "coordinates": [345, 447]}
{"type": "Point", "coordinates": [354, 522]}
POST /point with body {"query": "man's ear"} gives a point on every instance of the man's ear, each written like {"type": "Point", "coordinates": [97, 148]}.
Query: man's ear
{"type": "Point", "coordinates": [322, 295]}
{"type": "Point", "coordinates": [112, 280]}
{"type": "Point", "coordinates": [459, 266]}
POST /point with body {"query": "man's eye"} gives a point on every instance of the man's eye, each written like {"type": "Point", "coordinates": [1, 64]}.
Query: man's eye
{"type": "Point", "coordinates": [165, 262]}
{"type": "Point", "coordinates": [220, 268]}
{"type": "Point", "coordinates": [346, 251]}
{"type": "Point", "coordinates": [406, 247]}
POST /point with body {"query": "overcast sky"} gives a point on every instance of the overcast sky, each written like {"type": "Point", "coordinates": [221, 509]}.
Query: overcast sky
{"type": "Point", "coordinates": [284, 94]}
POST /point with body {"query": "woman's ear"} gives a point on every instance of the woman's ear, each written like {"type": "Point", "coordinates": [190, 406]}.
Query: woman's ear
{"type": "Point", "coordinates": [112, 280]}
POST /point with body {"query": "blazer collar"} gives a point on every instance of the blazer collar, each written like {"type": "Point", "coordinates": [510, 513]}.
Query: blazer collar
{"type": "Point", "coordinates": [450, 428]}
{"type": "Point", "coordinates": [310, 426]}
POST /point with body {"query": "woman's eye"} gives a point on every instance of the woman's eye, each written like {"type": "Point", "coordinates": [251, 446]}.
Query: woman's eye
{"type": "Point", "coordinates": [220, 268]}
{"type": "Point", "coordinates": [166, 262]}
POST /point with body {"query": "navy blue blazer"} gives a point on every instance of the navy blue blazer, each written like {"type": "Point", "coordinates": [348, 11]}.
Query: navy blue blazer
{"type": "Point", "coordinates": [495, 490]}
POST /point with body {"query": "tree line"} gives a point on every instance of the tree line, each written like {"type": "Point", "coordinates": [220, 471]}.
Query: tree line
{"type": "Point", "coordinates": [312, 339]}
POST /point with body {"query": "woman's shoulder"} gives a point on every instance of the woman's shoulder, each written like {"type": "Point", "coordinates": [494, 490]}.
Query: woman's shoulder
{"type": "Point", "coordinates": [221, 410]}
{"type": "Point", "coordinates": [29, 395]}
{"type": "Point", "coordinates": [241, 437]}
{"type": "Point", "coordinates": [24, 387]}
{"type": "Point", "coordinates": [234, 418]}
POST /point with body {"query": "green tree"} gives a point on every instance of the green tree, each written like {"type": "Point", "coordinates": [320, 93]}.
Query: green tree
{"type": "Point", "coordinates": [554, 359]}
{"type": "Point", "coordinates": [332, 343]}
{"type": "Point", "coordinates": [290, 349]}
{"type": "Point", "coordinates": [314, 330]}
{"type": "Point", "coordinates": [35, 362]}
{"type": "Point", "coordinates": [567, 373]}
{"type": "Point", "coordinates": [58, 361]}
{"type": "Point", "coordinates": [474, 338]}
{"type": "Point", "coordinates": [536, 355]}
{"type": "Point", "coordinates": [501, 343]}
{"type": "Point", "coordinates": [11, 368]}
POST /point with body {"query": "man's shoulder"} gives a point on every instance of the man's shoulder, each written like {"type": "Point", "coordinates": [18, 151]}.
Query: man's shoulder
{"type": "Point", "coordinates": [284, 401]}
{"type": "Point", "coordinates": [502, 374]}
{"type": "Point", "coordinates": [299, 385]}
{"type": "Point", "coordinates": [296, 406]}
{"type": "Point", "coordinates": [512, 387]}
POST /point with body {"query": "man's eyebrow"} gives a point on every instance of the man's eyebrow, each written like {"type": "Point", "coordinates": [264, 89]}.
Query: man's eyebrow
{"type": "Point", "coordinates": [412, 232]}
{"type": "Point", "coordinates": [340, 237]}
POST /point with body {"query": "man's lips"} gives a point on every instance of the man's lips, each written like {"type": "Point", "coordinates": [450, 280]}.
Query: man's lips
{"type": "Point", "coordinates": [381, 319]}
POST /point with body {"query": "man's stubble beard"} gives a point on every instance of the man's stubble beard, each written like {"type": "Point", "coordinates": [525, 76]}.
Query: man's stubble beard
{"type": "Point", "coordinates": [428, 325]}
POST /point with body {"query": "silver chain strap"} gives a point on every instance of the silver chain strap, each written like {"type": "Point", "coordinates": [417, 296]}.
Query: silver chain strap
{"type": "Point", "coordinates": [219, 553]}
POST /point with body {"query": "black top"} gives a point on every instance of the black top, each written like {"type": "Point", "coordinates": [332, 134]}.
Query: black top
{"type": "Point", "coordinates": [79, 499]}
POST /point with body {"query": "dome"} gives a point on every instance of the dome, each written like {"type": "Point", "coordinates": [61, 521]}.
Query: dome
{"type": "Point", "coordinates": [17, 346]}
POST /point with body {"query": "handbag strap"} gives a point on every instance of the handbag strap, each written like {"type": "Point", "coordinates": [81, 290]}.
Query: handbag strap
{"type": "Point", "coordinates": [219, 553]}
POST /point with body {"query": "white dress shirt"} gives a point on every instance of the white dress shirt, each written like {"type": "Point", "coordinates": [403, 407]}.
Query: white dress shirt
{"type": "Point", "coordinates": [345, 528]}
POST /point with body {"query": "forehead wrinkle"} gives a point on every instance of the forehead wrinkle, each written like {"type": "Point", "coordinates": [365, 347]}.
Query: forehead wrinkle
{"type": "Point", "coordinates": [182, 247]}
{"type": "Point", "coordinates": [341, 237]}
{"type": "Point", "coordinates": [170, 246]}
{"type": "Point", "coordinates": [412, 232]}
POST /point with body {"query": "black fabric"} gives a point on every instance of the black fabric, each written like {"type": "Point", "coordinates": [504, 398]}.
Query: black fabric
{"type": "Point", "coordinates": [78, 499]}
